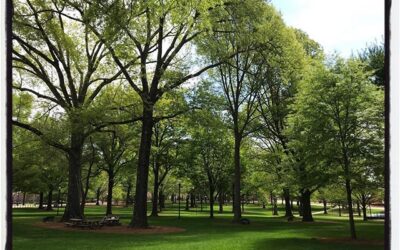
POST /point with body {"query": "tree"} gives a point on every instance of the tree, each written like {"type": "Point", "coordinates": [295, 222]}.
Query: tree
{"type": "Point", "coordinates": [57, 59]}
{"type": "Point", "coordinates": [157, 35]}
{"type": "Point", "coordinates": [338, 107]}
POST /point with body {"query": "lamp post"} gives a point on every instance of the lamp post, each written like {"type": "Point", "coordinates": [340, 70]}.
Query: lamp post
{"type": "Point", "coordinates": [179, 200]}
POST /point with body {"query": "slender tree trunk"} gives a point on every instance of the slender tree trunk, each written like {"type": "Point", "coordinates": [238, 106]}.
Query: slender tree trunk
{"type": "Point", "coordinates": [221, 203]}
{"type": "Point", "coordinates": [325, 210]}
{"type": "Point", "coordinates": [128, 195]}
{"type": "Point", "coordinates": [300, 206]}
{"type": "Point", "coordinates": [350, 208]}
{"type": "Point", "coordinates": [23, 198]}
{"type": "Point", "coordinates": [358, 209]}
{"type": "Point", "coordinates": [187, 202]}
{"type": "Point", "coordinates": [201, 203]}
{"type": "Point", "coordinates": [192, 199]}
{"type": "Point", "coordinates": [364, 207]}
{"type": "Point", "coordinates": [340, 210]}
{"type": "Point", "coordinates": [154, 209]}
{"type": "Point", "coordinates": [263, 205]}
{"type": "Point", "coordinates": [211, 202]}
{"type": "Point", "coordinates": [73, 206]}
{"type": "Point", "coordinates": [41, 200]}
{"type": "Point", "coordinates": [161, 200]}
{"type": "Point", "coordinates": [237, 197]}
{"type": "Point", "coordinates": [110, 192]}
{"type": "Point", "coordinates": [50, 200]}
{"type": "Point", "coordinates": [275, 206]}
{"type": "Point", "coordinates": [288, 208]}
{"type": "Point", "coordinates": [306, 205]}
{"type": "Point", "coordinates": [139, 218]}
{"type": "Point", "coordinates": [98, 196]}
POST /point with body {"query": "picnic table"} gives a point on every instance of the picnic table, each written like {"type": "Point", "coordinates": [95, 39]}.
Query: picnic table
{"type": "Point", "coordinates": [89, 224]}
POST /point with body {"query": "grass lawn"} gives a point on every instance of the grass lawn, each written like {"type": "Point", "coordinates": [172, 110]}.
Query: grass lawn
{"type": "Point", "coordinates": [264, 232]}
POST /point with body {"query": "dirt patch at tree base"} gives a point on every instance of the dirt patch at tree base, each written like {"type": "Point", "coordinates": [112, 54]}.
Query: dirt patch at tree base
{"type": "Point", "coordinates": [113, 229]}
{"type": "Point", "coordinates": [351, 241]}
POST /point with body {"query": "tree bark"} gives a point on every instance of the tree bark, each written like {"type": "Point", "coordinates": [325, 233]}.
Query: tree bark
{"type": "Point", "coordinates": [364, 207]}
{"type": "Point", "coordinates": [139, 218]}
{"type": "Point", "coordinates": [221, 203]}
{"type": "Point", "coordinates": [358, 209]}
{"type": "Point", "coordinates": [154, 210]}
{"type": "Point", "coordinates": [110, 191]}
{"type": "Point", "coordinates": [50, 200]}
{"type": "Point", "coordinates": [73, 206]}
{"type": "Point", "coordinates": [350, 209]}
{"type": "Point", "coordinates": [211, 202]}
{"type": "Point", "coordinates": [306, 206]}
{"type": "Point", "coordinates": [98, 197]}
{"type": "Point", "coordinates": [23, 198]}
{"type": "Point", "coordinates": [288, 208]}
{"type": "Point", "coordinates": [41, 200]}
{"type": "Point", "coordinates": [275, 206]}
{"type": "Point", "coordinates": [237, 197]}
{"type": "Point", "coordinates": [325, 210]}
{"type": "Point", "coordinates": [187, 202]}
{"type": "Point", "coordinates": [128, 195]}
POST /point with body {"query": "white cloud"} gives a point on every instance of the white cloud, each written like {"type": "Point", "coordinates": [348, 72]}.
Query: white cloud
{"type": "Point", "coordinates": [341, 25]}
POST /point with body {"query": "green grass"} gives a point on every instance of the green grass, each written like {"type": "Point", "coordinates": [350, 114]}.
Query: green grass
{"type": "Point", "coordinates": [264, 232]}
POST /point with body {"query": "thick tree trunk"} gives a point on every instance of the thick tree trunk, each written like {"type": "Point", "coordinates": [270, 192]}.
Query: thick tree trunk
{"type": "Point", "coordinates": [73, 206]}
{"type": "Point", "coordinates": [350, 209]}
{"type": "Point", "coordinates": [237, 197]}
{"type": "Point", "coordinates": [50, 200]}
{"type": "Point", "coordinates": [139, 218]}
{"type": "Point", "coordinates": [288, 208]}
{"type": "Point", "coordinates": [110, 192]}
{"type": "Point", "coordinates": [306, 206]}
{"type": "Point", "coordinates": [364, 207]}
{"type": "Point", "coordinates": [41, 200]}
{"type": "Point", "coordinates": [325, 210]}
{"type": "Point", "coordinates": [154, 209]}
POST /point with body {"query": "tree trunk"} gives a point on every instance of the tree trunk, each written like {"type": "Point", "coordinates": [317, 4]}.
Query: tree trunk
{"type": "Point", "coordinates": [364, 207]}
{"type": "Point", "coordinates": [154, 209]}
{"type": "Point", "coordinates": [192, 199]}
{"type": "Point", "coordinates": [340, 211]}
{"type": "Point", "coordinates": [221, 203]}
{"type": "Point", "coordinates": [50, 200]}
{"type": "Point", "coordinates": [358, 209]}
{"type": "Point", "coordinates": [300, 206]}
{"type": "Point", "coordinates": [23, 198]}
{"type": "Point", "coordinates": [73, 206]}
{"type": "Point", "coordinates": [350, 208]}
{"type": "Point", "coordinates": [98, 197]}
{"type": "Point", "coordinates": [211, 202]}
{"type": "Point", "coordinates": [128, 195]}
{"type": "Point", "coordinates": [325, 210]}
{"type": "Point", "coordinates": [306, 206]}
{"type": "Point", "coordinates": [288, 208]}
{"type": "Point", "coordinates": [139, 218]}
{"type": "Point", "coordinates": [161, 200]}
{"type": "Point", "coordinates": [237, 198]}
{"type": "Point", "coordinates": [187, 202]}
{"type": "Point", "coordinates": [110, 192]}
{"type": "Point", "coordinates": [263, 205]}
{"type": "Point", "coordinates": [41, 200]}
{"type": "Point", "coordinates": [275, 206]}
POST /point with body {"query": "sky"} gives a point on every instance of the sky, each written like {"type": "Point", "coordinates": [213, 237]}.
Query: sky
{"type": "Point", "coordinates": [342, 26]}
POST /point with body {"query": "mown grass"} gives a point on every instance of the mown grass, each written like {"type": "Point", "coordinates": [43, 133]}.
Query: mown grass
{"type": "Point", "coordinates": [264, 232]}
